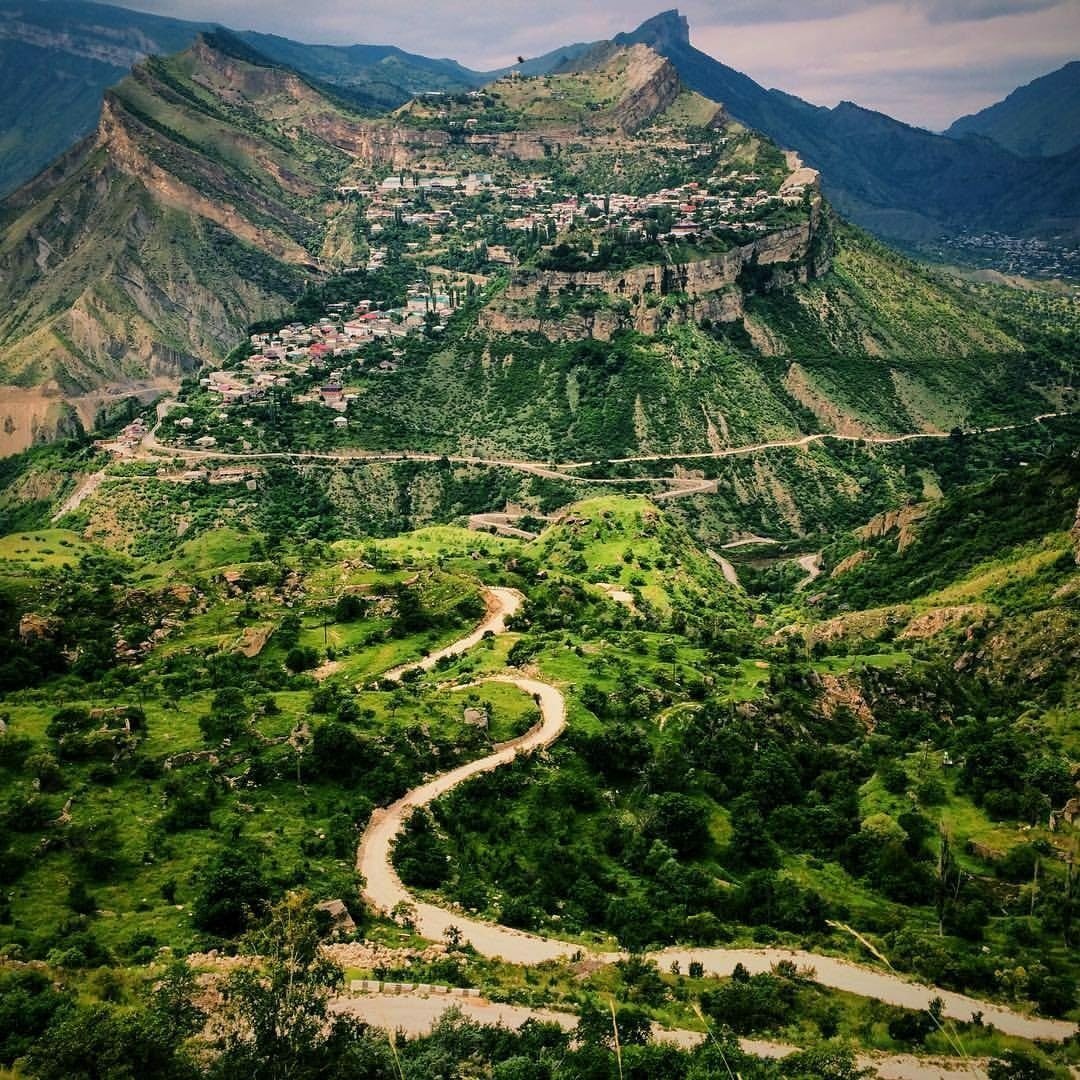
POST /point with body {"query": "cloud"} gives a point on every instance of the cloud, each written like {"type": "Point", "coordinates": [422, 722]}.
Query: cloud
{"type": "Point", "coordinates": [894, 56]}
{"type": "Point", "coordinates": [764, 12]}
{"type": "Point", "coordinates": [943, 11]}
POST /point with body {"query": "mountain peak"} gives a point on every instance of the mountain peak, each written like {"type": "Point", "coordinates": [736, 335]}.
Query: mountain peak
{"type": "Point", "coordinates": [662, 31]}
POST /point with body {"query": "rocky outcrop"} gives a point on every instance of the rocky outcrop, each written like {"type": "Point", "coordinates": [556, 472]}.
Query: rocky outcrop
{"type": "Point", "coordinates": [123, 138]}
{"type": "Point", "coordinates": [652, 87]}
{"type": "Point", "coordinates": [901, 521]}
{"type": "Point", "coordinates": [856, 558]}
{"type": "Point", "coordinates": [375, 144]}
{"type": "Point", "coordinates": [646, 298]}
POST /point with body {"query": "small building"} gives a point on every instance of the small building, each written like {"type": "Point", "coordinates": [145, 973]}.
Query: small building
{"type": "Point", "coordinates": [185, 422]}
{"type": "Point", "coordinates": [340, 422]}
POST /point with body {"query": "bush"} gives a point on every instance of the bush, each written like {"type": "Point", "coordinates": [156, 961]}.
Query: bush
{"type": "Point", "coordinates": [748, 1005]}
{"type": "Point", "coordinates": [301, 658]}
{"type": "Point", "coordinates": [232, 891]}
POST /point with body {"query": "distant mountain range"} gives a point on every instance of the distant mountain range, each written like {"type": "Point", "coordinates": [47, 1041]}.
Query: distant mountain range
{"type": "Point", "coordinates": [1011, 169]}
{"type": "Point", "coordinates": [1038, 120]}
{"type": "Point", "coordinates": [58, 57]}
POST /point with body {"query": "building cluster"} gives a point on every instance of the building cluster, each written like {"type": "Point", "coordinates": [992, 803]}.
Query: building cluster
{"type": "Point", "coordinates": [442, 204]}
{"type": "Point", "coordinates": [298, 352]}
{"type": "Point", "coordinates": [1028, 256]}
{"type": "Point", "coordinates": [691, 208]}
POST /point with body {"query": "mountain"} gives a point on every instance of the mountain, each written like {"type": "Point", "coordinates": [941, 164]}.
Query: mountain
{"type": "Point", "coordinates": [196, 207]}
{"type": "Point", "coordinates": [903, 183]}
{"type": "Point", "coordinates": [56, 60]}
{"type": "Point", "coordinates": [1041, 119]}
{"type": "Point", "coordinates": [221, 185]}
{"type": "Point", "coordinates": [906, 185]}
{"type": "Point", "coordinates": [58, 57]}
{"type": "Point", "coordinates": [371, 76]}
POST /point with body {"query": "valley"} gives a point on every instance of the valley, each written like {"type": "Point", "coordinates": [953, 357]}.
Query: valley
{"type": "Point", "coordinates": [521, 548]}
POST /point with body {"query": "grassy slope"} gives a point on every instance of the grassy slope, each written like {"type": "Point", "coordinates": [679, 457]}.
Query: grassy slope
{"type": "Point", "coordinates": [286, 819]}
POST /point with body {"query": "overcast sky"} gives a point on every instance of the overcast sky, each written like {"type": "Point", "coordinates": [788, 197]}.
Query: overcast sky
{"type": "Point", "coordinates": [923, 61]}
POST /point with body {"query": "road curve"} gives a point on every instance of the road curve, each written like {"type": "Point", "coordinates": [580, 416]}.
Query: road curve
{"type": "Point", "coordinates": [384, 890]}
{"type": "Point", "coordinates": [501, 604]}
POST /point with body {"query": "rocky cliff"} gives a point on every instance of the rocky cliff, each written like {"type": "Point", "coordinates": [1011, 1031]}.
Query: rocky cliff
{"type": "Point", "coordinates": [150, 247]}
{"type": "Point", "coordinates": [652, 87]}
{"type": "Point", "coordinates": [648, 297]}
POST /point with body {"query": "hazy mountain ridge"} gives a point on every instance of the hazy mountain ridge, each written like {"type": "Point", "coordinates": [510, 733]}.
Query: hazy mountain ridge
{"type": "Point", "coordinates": [57, 58]}
{"type": "Point", "coordinates": [1040, 119]}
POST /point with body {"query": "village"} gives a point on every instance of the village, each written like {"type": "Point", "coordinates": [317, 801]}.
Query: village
{"type": "Point", "coordinates": [479, 211]}
{"type": "Point", "coordinates": [415, 217]}
{"type": "Point", "coordinates": [312, 359]}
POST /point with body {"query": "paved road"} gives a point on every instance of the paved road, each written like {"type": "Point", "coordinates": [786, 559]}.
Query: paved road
{"type": "Point", "coordinates": [384, 889]}
{"type": "Point", "coordinates": [415, 1013]}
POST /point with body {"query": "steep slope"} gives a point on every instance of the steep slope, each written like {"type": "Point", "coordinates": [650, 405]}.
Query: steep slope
{"type": "Point", "coordinates": [195, 208]}
{"type": "Point", "coordinates": [58, 58]}
{"type": "Point", "coordinates": [1041, 119]}
{"type": "Point", "coordinates": [902, 183]}
{"type": "Point", "coordinates": [986, 577]}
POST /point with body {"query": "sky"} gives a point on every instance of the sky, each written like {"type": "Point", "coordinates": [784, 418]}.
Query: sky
{"type": "Point", "coordinates": [923, 61]}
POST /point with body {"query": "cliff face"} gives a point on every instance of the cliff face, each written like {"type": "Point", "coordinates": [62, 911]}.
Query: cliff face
{"type": "Point", "coordinates": [903, 522]}
{"type": "Point", "coordinates": [652, 87]}
{"type": "Point", "coordinates": [400, 146]}
{"type": "Point", "coordinates": [635, 298]}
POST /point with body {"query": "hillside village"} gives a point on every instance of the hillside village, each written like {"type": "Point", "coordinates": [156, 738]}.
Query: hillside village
{"type": "Point", "coordinates": [477, 212]}
{"type": "Point", "coordinates": [476, 226]}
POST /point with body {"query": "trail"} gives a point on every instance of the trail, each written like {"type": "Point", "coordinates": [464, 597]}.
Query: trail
{"type": "Point", "coordinates": [503, 524]}
{"type": "Point", "coordinates": [812, 565]}
{"type": "Point", "coordinates": [564, 471]}
{"type": "Point", "coordinates": [726, 567]}
{"type": "Point", "coordinates": [501, 604]}
{"type": "Point", "coordinates": [807, 440]}
{"type": "Point", "coordinates": [384, 889]}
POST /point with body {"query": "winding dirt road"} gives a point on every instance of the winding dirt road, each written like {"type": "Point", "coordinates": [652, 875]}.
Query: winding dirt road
{"type": "Point", "coordinates": [385, 891]}
{"type": "Point", "coordinates": [501, 604]}
{"type": "Point", "coordinates": [681, 486]}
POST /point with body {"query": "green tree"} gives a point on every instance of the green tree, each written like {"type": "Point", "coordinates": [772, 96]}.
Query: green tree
{"type": "Point", "coordinates": [276, 1020]}
{"type": "Point", "coordinates": [232, 890]}
{"type": "Point", "coordinates": [102, 1042]}
{"type": "Point", "coordinates": [1018, 1065]}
